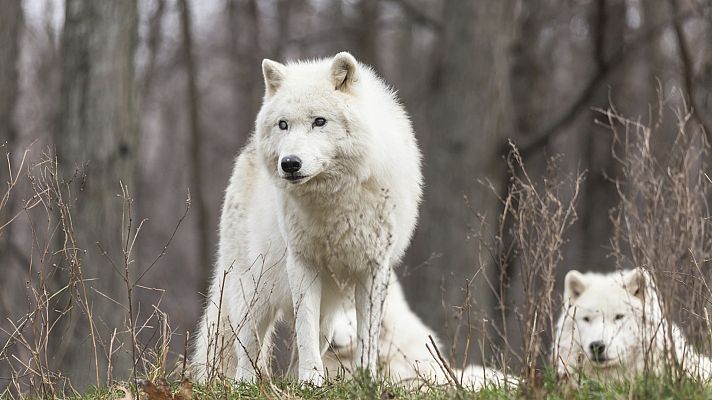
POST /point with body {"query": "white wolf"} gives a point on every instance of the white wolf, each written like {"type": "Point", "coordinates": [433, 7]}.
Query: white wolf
{"type": "Point", "coordinates": [403, 349]}
{"type": "Point", "coordinates": [612, 326]}
{"type": "Point", "coordinates": [321, 204]}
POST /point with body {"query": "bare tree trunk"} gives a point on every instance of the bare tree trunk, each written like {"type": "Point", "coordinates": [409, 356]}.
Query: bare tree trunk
{"type": "Point", "coordinates": [284, 10]}
{"type": "Point", "coordinates": [196, 168]}
{"type": "Point", "coordinates": [471, 116]}
{"type": "Point", "coordinates": [155, 27]}
{"type": "Point", "coordinates": [608, 20]}
{"type": "Point", "coordinates": [97, 131]}
{"type": "Point", "coordinates": [366, 31]}
{"type": "Point", "coordinates": [11, 21]}
{"type": "Point", "coordinates": [688, 70]}
{"type": "Point", "coordinates": [704, 100]}
{"type": "Point", "coordinates": [338, 40]}
{"type": "Point", "coordinates": [246, 56]}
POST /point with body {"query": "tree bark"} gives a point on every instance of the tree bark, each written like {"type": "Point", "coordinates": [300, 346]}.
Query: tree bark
{"type": "Point", "coordinates": [97, 133]}
{"type": "Point", "coordinates": [471, 115]}
{"type": "Point", "coordinates": [366, 32]}
{"type": "Point", "coordinates": [196, 168]}
{"type": "Point", "coordinates": [246, 58]}
{"type": "Point", "coordinates": [599, 194]}
{"type": "Point", "coordinates": [153, 42]}
{"type": "Point", "coordinates": [11, 22]}
{"type": "Point", "coordinates": [284, 17]}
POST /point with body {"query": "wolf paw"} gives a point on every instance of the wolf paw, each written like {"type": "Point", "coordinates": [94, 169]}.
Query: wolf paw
{"type": "Point", "coordinates": [311, 377]}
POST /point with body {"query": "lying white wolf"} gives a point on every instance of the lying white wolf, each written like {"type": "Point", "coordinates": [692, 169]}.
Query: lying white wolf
{"type": "Point", "coordinates": [321, 204]}
{"type": "Point", "coordinates": [403, 349]}
{"type": "Point", "coordinates": [612, 327]}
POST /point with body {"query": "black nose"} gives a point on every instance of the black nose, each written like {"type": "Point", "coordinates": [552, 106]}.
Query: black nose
{"type": "Point", "coordinates": [598, 350]}
{"type": "Point", "coordinates": [291, 164]}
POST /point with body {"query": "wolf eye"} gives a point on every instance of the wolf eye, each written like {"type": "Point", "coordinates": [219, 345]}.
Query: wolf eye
{"type": "Point", "coordinates": [319, 122]}
{"type": "Point", "coordinates": [283, 125]}
{"type": "Point", "coordinates": [586, 319]}
{"type": "Point", "coordinates": [619, 317]}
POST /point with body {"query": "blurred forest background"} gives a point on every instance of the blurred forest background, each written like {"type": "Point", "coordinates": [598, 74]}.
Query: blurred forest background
{"type": "Point", "coordinates": [160, 95]}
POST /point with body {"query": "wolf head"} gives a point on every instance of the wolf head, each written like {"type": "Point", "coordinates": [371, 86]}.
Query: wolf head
{"type": "Point", "coordinates": [604, 319]}
{"type": "Point", "coordinates": [307, 128]}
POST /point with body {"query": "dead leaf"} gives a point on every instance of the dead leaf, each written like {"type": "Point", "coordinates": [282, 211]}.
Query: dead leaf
{"type": "Point", "coordinates": [161, 391]}
{"type": "Point", "coordinates": [186, 390]}
{"type": "Point", "coordinates": [163, 387]}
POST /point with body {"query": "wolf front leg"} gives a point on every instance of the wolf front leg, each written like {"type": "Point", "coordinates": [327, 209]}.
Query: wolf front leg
{"type": "Point", "coordinates": [305, 284]}
{"type": "Point", "coordinates": [370, 295]}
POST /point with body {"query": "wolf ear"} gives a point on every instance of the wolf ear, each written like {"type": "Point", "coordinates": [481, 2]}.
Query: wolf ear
{"type": "Point", "coordinates": [574, 285]}
{"type": "Point", "coordinates": [344, 71]}
{"type": "Point", "coordinates": [635, 283]}
{"type": "Point", "coordinates": [274, 74]}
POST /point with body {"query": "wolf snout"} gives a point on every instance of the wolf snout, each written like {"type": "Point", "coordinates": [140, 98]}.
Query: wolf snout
{"type": "Point", "coordinates": [290, 164]}
{"type": "Point", "coordinates": [598, 351]}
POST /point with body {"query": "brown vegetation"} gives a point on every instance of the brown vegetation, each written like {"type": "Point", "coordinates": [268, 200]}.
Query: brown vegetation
{"type": "Point", "coordinates": [93, 290]}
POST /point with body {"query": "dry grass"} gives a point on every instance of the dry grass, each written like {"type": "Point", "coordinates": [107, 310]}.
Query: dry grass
{"type": "Point", "coordinates": [60, 298]}
{"type": "Point", "coordinates": [541, 214]}
{"type": "Point", "coordinates": [662, 223]}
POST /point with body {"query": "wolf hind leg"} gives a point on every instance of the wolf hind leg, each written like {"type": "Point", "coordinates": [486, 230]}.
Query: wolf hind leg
{"type": "Point", "coordinates": [264, 361]}
{"type": "Point", "coordinates": [250, 341]}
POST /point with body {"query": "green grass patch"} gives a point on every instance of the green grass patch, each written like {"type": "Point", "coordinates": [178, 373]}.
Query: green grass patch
{"type": "Point", "coordinates": [642, 387]}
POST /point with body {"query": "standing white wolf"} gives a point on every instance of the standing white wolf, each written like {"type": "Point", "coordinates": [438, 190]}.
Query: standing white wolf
{"type": "Point", "coordinates": [612, 326]}
{"type": "Point", "coordinates": [321, 204]}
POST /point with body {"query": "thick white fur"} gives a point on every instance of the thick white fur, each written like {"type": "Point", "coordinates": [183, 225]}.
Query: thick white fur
{"type": "Point", "coordinates": [403, 350]}
{"type": "Point", "coordinates": [297, 249]}
{"type": "Point", "coordinates": [623, 310]}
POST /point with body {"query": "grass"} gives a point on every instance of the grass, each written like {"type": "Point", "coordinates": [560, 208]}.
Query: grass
{"type": "Point", "coordinates": [661, 222]}
{"type": "Point", "coordinates": [642, 387]}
